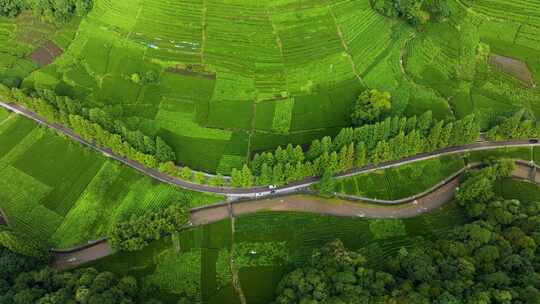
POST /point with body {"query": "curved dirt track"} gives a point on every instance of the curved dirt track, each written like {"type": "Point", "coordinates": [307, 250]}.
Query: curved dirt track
{"type": "Point", "coordinates": [348, 205]}
{"type": "Point", "coordinates": [403, 208]}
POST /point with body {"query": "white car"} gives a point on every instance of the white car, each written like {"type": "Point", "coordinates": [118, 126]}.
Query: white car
{"type": "Point", "coordinates": [272, 187]}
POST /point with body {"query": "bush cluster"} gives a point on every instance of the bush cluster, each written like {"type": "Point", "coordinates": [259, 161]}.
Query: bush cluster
{"type": "Point", "coordinates": [54, 11]}
{"type": "Point", "coordinates": [517, 126]}
{"type": "Point", "coordinates": [416, 12]}
{"type": "Point", "coordinates": [136, 232]}
{"type": "Point", "coordinates": [28, 280]}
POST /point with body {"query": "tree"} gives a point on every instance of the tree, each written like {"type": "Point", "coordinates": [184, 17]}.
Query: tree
{"type": "Point", "coordinates": [136, 232]}
{"type": "Point", "coordinates": [199, 178]}
{"type": "Point", "coordinates": [150, 77]}
{"type": "Point", "coordinates": [164, 152]}
{"type": "Point", "coordinates": [326, 185]}
{"type": "Point", "coordinates": [490, 259]}
{"type": "Point", "coordinates": [514, 127]}
{"type": "Point", "coordinates": [416, 12]}
{"type": "Point", "coordinates": [315, 150]}
{"type": "Point", "coordinates": [237, 179]}
{"type": "Point", "coordinates": [168, 168]}
{"type": "Point", "coordinates": [11, 8]}
{"type": "Point", "coordinates": [135, 78]}
{"type": "Point", "coordinates": [360, 155]}
{"type": "Point", "coordinates": [30, 281]}
{"type": "Point", "coordinates": [370, 106]}
{"type": "Point", "coordinates": [247, 177]}
{"type": "Point", "coordinates": [186, 173]}
{"type": "Point", "coordinates": [217, 180]}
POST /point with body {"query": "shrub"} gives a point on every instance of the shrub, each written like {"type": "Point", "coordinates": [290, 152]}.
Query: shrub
{"type": "Point", "coordinates": [136, 232]}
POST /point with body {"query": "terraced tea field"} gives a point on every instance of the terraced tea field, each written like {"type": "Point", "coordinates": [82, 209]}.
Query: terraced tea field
{"type": "Point", "coordinates": [237, 77]}
{"type": "Point", "coordinates": [60, 193]}
{"type": "Point", "coordinates": [234, 77]}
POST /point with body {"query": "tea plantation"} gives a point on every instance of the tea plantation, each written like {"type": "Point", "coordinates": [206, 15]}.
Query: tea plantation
{"type": "Point", "coordinates": [61, 194]}
{"type": "Point", "coordinates": [213, 86]}
{"type": "Point", "coordinates": [230, 78]}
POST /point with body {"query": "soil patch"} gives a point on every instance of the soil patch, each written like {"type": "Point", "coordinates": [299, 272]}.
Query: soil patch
{"type": "Point", "coordinates": [513, 67]}
{"type": "Point", "coordinates": [46, 54]}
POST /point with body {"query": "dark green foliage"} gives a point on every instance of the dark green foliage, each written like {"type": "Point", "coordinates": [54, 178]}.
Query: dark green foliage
{"type": "Point", "coordinates": [493, 259]}
{"type": "Point", "coordinates": [135, 233]}
{"type": "Point", "coordinates": [416, 12]}
{"type": "Point", "coordinates": [11, 8]}
{"type": "Point", "coordinates": [242, 178]}
{"type": "Point", "coordinates": [327, 184]}
{"type": "Point", "coordinates": [390, 139]}
{"type": "Point", "coordinates": [24, 280]}
{"type": "Point", "coordinates": [370, 106]}
{"type": "Point", "coordinates": [478, 188]}
{"type": "Point", "coordinates": [517, 126]}
{"type": "Point", "coordinates": [56, 11]}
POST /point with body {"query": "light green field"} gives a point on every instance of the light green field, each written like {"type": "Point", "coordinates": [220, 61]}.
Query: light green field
{"type": "Point", "coordinates": [237, 77]}
{"type": "Point", "coordinates": [403, 181]}
{"type": "Point", "coordinates": [447, 57]}
{"type": "Point", "coordinates": [60, 192]}
{"type": "Point", "coordinates": [286, 73]}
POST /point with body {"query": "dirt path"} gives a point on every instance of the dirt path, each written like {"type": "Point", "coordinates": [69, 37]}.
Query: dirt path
{"type": "Point", "coordinates": [71, 258]}
{"type": "Point", "coordinates": [369, 208]}
{"type": "Point", "coordinates": [299, 203]}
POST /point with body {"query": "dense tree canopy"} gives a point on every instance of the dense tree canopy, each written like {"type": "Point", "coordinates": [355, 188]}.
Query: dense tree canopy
{"type": "Point", "coordinates": [416, 12]}
{"type": "Point", "coordinates": [25, 280]}
{"type": "Point", "coordinates": [137, 231]}
{"type": "Point", "coordinates": [391, 139]}
{"type": "Point", "coordinates": [370, 107]}
{"type": "Point", "coordinates": [493, 259]}
{"type": "Point", "coordinates": [518, 126]}
{"type": "Point", "coordinates": [56, 11]}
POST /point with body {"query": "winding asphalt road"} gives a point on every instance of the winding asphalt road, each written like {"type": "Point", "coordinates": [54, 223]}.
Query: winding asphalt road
{"type": "Point", "coordinates": [258, 192]}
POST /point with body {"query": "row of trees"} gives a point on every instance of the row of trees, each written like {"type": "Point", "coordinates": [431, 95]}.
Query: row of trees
{"type": "Point", "coordinates": [495, 258]}
{"type": "Point", "coordinates": [25, 280]}
{"type": "Point", "coordinates": [416, 12]}
{"type": "Point", "coordinates": [521, 125]}
{"type": "Point", "coordinates": [390, 139]}
{"type": "Point", "coordinates": [55, 11]}
{"type": "Point", "coordinates": [95, 125]}
{"type": "Point", "coordinates": [136, 232]}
